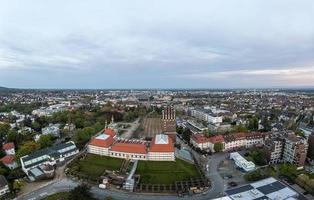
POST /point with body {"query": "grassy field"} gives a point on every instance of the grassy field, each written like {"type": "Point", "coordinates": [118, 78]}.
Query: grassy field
{"type": "Point", "coordinates": [58, 196]}
{"type": "Point", "coordinates": [154, 172]}
{"type": "Point", "coordinates": [94, 165]}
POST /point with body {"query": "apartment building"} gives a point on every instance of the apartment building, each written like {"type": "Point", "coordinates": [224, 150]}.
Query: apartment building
{"type": "Point", "coordinates": [206, 115]}
{"type": "Point", "coordinates": [274, 146]}
{"type": "Point", "coordinates": [231, 142]}
{"type": "Point", "coordinates": [202, 142]}
{"type": "Point", "coordinates": [295, 150]}
{"type": "Point", "coordinates": [286, 147]}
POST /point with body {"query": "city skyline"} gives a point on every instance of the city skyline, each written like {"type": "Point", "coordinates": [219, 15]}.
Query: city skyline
{"type": "Point", "coordinates": [157, 44]}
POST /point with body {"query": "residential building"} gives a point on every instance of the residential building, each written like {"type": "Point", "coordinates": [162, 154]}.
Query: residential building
{"type": "Point", "coordinates": [274, 148]}
{"type": "Point", "coordinates": [310, 153]}
{"type": "Point", "coordinates": [4, 186]}
{"type": "Point", "coordinates": [9, 161]}
{"type": "Point", "coordinates": [206, 115]}
{"type": "Point", "coordinates": [38, 163]}
{"type": "Point", "coordinates": [295, 150]}
{"type": "Point", "coordinates": [9, 148]}
{"type": "Point", "coordinates": [235, 141]}
{"type": "Point", "coordinates": [202, 142]}
{"type": "Point", "coordinates": [52, 129]}
{"type": "Point", "coordinates": [286, 147]}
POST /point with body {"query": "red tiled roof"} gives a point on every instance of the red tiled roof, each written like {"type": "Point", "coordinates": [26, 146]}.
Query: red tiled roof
{"type": "Point", "coordinates": [129, 148]}
{"type": "Point", "coordinates": [110, 132]}
{"type": "Point", "coordinates": [239, 136]}
{"type": "Point", "coordinates": [216, 139]}
{"type": "Point", "coordinates": [8, 159]}
{"type": "Point", "coordinates": [162, 147]}
{"type": "Point", "coordinates": [199, 138]}
{"type": "Point", "coordinates": [8, 146]}
{"type": "Point", "coordinates": [101, 142]}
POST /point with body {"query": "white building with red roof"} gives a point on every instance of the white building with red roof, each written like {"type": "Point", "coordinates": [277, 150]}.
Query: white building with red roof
{"type": "Point", "coordinates": [9, 161]}
{"type": "Point", "coordinates": [202, 142]}
{"type": "Point", "coordinates": [101, 143]}
{"type": "Point", "coordinates": [129, 150]}
{"type": "Point", "coordinates": [107, 144]}
{"type": "Point", "coordinates": [9, 148]}
{"type": "Point", "coordinates": [161, 148]}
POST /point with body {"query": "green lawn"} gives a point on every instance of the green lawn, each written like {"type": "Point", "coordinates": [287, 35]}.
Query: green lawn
{"type": "Point", "coordinates": [58, 196]}
{"type": "Point", "coordinates": [94, 165]}
{"type": "Point", "coordinates": [154, 172]}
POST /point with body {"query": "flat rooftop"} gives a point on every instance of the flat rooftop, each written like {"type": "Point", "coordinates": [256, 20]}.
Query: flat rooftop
{"type": "Point", "coordinates": [266, 189]}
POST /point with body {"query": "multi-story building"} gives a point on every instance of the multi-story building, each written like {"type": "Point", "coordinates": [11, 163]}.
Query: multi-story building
{"type": "Point", "coordinates": [206, 115]}
{"type": "Point", "coordinates": [101, 143]}
{"type": "Point", "coordinates": [41, 162]}
{"type": "Point", "coordinates": [286, 147]}
{"type": "Point", "coordinates": [255, 139]}
{"type": "Point", "coordinates": [235, 141]}
{"type": "Point", "coordinates": [310, 152]}
{"type": "Point", "coordinates": [168, 120]}
{"type": "Point", "coordinates": [273, 148]}
{"type": "Point", "coordinates": [161, 148]}
{"type": "Point", "coordinates": [129, 150]}
{"type": "Point", "coordinates": [202, 142]}
{"type": "Point", "coordinates": [295, 150]}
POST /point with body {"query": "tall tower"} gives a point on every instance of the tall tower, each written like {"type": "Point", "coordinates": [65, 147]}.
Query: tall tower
{"type": "Point", "coordinates": [168, 120]}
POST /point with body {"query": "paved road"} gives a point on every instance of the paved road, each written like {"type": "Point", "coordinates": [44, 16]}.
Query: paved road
{"type": "Point", "coordinates": [66, 184]}
{"type": "Point", "coordinates": [129, 133]}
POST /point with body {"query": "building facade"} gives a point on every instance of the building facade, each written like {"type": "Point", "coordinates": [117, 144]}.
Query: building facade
{"type": "Point", "coordinates": [161, 148]}
{"type": "Point", "coordinates": [168, 121]}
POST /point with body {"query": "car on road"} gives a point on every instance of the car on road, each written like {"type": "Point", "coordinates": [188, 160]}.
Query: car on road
{"type": "Point", "coordinates": [232, 184]}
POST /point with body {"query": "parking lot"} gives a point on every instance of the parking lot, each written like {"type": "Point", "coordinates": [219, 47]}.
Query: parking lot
{"type": "Point", "coordinates": [231, 175]}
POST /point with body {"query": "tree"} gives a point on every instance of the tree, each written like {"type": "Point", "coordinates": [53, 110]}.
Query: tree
{"type": "Point", "coordinates": [254, 175]}
{"type": "Point", "coordinates": [186, 134]}
{"type": "Point", "coordinates": [17, 185]}
{"type": "Point", "coordinates": [4, 128]}
{"type": "Point", "coordinates": [289, 171]}
{"type": "Point", "coordinates": [26, 148]}
{"type": "Point", "coordinates": [12, 134]}
{"type": "Point", "coordinates": [218, 147]}
{"type": "Point", "coordinates": [81, 192]}
{"type": "Point", "coordinates": [253, 124]}
{"type": "Point", "coordinates": [45, 141]}
{"type": "Point", "coordinates": [239, 128]}
{"type": "Point", "coordinates": [300, 133]}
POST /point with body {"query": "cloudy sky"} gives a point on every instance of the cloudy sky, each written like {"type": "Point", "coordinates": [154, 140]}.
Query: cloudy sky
{"type": "Point", "coordinates": [156, 44]}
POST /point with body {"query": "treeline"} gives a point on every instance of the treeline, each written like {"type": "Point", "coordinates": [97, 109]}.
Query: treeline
{"type": "Point", "coordinates": [22, 108]}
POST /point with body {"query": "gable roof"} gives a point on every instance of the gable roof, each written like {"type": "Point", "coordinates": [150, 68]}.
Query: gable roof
{"type": "Point", "coordinates": [129, 147]}
{"type": "Point", "coordinates": [8, 146]}
{"type": "Point", "coordinates": [110, 132]}
{"type": "Point", "coordinates": [103, 140]}
{"type": "Point", "coordinates": [161, 143]}
{"type": "Point", "coordinates": [8, 159]}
